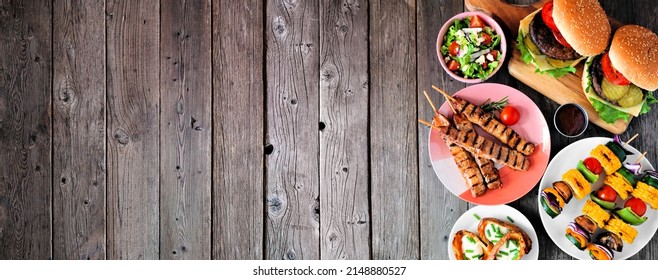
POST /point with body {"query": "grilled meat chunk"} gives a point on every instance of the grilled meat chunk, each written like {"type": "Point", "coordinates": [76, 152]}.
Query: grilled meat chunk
{"type": "Point", "coordinates": [482, 147]}
{"type": "Point", "coordinates": [493, 126]}
{"type": "Point", "coordinates": [487, 167]}
{"type": "Point", "coordinates": [469, 170]}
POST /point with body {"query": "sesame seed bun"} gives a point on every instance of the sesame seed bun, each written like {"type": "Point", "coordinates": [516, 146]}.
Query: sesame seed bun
{"type": "Point", "coordinates": [634, 53]}
{"type": "Point", "coordinates": [583, 24]}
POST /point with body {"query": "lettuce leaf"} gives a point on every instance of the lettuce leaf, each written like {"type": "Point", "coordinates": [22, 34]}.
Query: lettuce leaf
{"type": "Point", "coordinates": [527, 57]}
{"type": "Point", "coordinates": [648, 101]}
{"type": "Point", "coordinates": [607, 113]}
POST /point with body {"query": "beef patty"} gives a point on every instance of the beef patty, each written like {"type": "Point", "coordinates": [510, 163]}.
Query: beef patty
{"type": "Point", "coordinates": [543, 37]}
{"type": "Point", "coordinates": [596, 72]}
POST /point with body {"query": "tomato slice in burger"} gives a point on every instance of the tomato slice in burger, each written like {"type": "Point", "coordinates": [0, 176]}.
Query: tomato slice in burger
{"type": "Point", "coordinates": [547, 16]}
{"type": "Point", "coordinates": [476, 22]}
{"type": "Point", "coordinates": [611, 73]}
{"type": "Point", "coordinates": [560, 39]}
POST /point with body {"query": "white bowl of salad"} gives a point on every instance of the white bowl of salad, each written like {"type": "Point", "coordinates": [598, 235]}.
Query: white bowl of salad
{"type": "Point", "coordinates": [471, 47]}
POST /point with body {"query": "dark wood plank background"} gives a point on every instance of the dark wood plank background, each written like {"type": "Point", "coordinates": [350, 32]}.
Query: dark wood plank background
{"type": "Point", "coordinates": [225, 129]}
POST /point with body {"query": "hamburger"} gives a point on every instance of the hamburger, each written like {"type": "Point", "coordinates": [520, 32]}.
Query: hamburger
{"type": "Point", "coordinates": [561, 34]}
{"type": "Point", "coordinates": [621, 82]}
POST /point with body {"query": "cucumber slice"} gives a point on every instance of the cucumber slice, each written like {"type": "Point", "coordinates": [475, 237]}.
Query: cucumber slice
{"type": "Point", "coordinates": [531, 46]}
{"type": "Point", "coordinates": [618, 150]}
{"type": "Point", "coordinates": [559, 63]}
{"type": "Point", "coordinates": [651, 181]}
{"type": "Point", "coordinates": [630, 178]}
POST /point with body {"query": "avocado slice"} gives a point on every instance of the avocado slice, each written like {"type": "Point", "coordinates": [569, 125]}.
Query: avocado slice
{"type": "Point", "coordinates": [607, 205]}
{"type": "Point", "coordinates": [550, 210]}
{"type": "Point", "coordinates": [589, 175]}
{"type": "Point", "coordinates": [630, 217]}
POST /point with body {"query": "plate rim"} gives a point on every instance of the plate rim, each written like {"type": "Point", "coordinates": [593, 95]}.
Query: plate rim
{"type": "Point", "coordinates": [542, 213]}
{"type": "Point", "coordinates": [548, 144]}
{"type": "Point", "coordinates": [503, 208]}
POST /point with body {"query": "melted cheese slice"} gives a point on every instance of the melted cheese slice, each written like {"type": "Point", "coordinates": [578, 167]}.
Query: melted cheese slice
{"type": "Point", "coordinates": [541, 61]}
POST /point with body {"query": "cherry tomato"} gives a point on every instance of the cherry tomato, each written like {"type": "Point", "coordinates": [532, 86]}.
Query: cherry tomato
{"type": "Point", "coordinates": [487, 39]}
{"type": "Point", "coordinates": [547, 16]}
{"type": "Point", "coordinates": [509, 116]}
{"type": "Point", "coordinates": [453, 65]}
{"type": "Point", "coordinates": [453, 49]}
{"type": "Point", "coordinates": [485, 65]}
{"type": "Point", "coordinates": [611, 73]}
{"type": "Point", "coordinates": [637, 206]}
{"type": "Point", "coordinates": [560, 39]}
{"type": "Point", "coordinates": [607, 193]}
{"type": "Point", "coordinates": [494, 53]}
{"type": "Point", "coordinates": [476, 22]}
{"type": "Point", "coordinates": [593, 165]}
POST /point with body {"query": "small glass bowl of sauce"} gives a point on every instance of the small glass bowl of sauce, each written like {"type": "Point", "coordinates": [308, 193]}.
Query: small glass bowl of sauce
{"type": "Point", "coordinates": [570, 120]}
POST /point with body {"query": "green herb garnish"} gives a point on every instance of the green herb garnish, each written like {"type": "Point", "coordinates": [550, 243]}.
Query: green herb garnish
{"type": "Point", "coordinates": [503, 253]}
{"type": "Point", "coordinates": [510, 219]}
{"type": "Point", "coordinates": [469, 251]}
{"type": "Point", "coordinates": [476, 216]}
{"type": "Point", "coordinates": [470, 239]}
{"type": "Point", "coordinates": [490, 106]}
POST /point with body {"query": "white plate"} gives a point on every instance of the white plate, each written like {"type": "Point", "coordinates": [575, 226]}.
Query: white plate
{"type": "Point", "coordinates": [556, 228]}
{"type": "Point", "coordinates": [468, 222]}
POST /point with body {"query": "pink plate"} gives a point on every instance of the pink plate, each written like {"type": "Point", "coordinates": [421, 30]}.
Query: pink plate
{"type": "Point", "coordinates": [532, 126]}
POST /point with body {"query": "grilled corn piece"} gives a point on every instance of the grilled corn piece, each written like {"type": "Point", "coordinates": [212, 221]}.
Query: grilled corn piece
{"type": "Point", "coordinates": [619, 184]}
{"type": "Point", "coordinates": [579, 185]}
{"type": "Point", "coordinates": [623, 230]}
{"type": "Point", "coordinates": [646, 193]}
{"type": "Point", "coordinates": [607, 158]}
{"type": "Point", "coordinates": [594, 211]}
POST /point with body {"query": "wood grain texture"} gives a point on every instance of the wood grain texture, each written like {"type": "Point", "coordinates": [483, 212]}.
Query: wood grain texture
{"type": "Point", "coordinates": [439, 208]}
{"type": "Point", "coordinates": [79, 165]}
{"type": "Point", "coordinates": [185, 129]}
{"type": "Point", "coordinates": [133, 97]}
{"type": "Point", "coordinates": [344, 201]}
{"type": "Point", "coordinates": [238, 129]}
{"type": "Point", "coordinates": [393, 130]}
{"type": "Point", "coordinates": [25, 130]}
{"type": "Point", "coordinates": [292, 192]}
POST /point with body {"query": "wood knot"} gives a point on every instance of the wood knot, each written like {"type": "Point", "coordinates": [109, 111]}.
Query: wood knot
{"type": "Point", "coordinates": [275, 205]}
{"type": "Point", "coordinates": [269, 149]}
{"type": "Point", "coordinates": [121, 136]}
{"type": "Point", "coordinates": [316, 209]}
{"type": "Point", "coordinates": [342, 28]}
{"type": "Point", "coordinates": [291, 255]}
{"type": "Point", "coordinates": [333, 237]}
{"type": "Point", "coordinates": [279, 26]}
{"type": "Point", "coordinates": [66, 94]}
{"type": "Point", "coordinates": [322, 126]}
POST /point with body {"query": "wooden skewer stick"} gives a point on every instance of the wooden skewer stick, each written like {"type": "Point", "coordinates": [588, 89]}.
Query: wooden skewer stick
{"type": "Point", "coordinates": [444, 93]}
{"type": "Point", "coordinates": [430, 101]}
{"type": "Point", "coordinates": [640, 158]}
{"type": "Point", "coordinates": [632, 138]}
{"type": "Point", "coordinates": [428, 124]}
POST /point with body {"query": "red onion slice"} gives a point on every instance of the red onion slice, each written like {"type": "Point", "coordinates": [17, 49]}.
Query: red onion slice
{"type": "Point", "coordinates": [633, 167]}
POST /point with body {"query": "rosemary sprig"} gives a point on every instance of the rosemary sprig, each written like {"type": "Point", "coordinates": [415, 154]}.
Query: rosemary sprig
{"type": "Point", "coordinates": [490, 106]}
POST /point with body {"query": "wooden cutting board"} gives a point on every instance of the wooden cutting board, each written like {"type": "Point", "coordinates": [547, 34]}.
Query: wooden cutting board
{"type": "Point", "coordinates": [566, 89]}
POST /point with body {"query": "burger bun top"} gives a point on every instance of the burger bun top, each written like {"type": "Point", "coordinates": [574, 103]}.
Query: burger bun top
{"type": "Point", "coordinates": [583, 24]}
{"type": "Point", "coordinates": [634, 53]}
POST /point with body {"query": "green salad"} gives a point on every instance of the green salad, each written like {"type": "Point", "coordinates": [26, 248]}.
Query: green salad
{"type": "Point", "coordinates": [471, 49]}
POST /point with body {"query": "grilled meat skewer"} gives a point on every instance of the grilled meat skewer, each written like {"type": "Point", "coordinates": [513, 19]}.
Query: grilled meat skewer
{"type": "Point", "coordinates": [493, 126]}
{"type": "Point", "coordinates": [469, 170]}
{"type": "Point", "coordinates": [480, 146]}
{"type": "Point", "coordinates": [487, 168]}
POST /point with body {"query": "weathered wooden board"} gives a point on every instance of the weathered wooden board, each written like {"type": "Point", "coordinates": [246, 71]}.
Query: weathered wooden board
{"type": "Point", "coordinates": [439, 208]}
{"type": "Point", "coordinates": [567, 89]}
{"type": "Point", "coordinates": [79, 129]}
{"type": "Point", "coordinates": [25, 130]}
{"type": "Point", "coordinates": [185, 129]}
{"type": "Point", "coordinates": [393, 130]}
{"type": "Point", "coordinates": [292, 192]}
{"type": "Point", "coordinates": [238, 127]}
{"type": "Point", "coordinates": [133, 95]}
{"type": "Point", "coordinates": [344, 203]}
